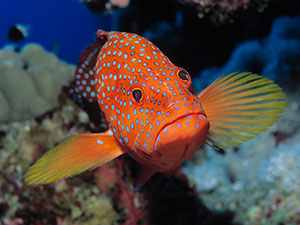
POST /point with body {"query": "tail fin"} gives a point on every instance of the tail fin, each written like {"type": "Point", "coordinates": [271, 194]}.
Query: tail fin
{"type": "Point", "coordinates": [240, 106]}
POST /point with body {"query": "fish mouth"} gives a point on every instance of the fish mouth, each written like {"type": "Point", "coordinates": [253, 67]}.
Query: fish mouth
{"type": "Point", "coordinates": [181, 138]}
{"type": "Point", "coordinates": [179, 118]}
{"type": "Point", "coordinates": [174, 121]}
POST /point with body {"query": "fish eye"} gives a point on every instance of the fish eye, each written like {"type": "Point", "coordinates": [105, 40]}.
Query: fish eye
{"type": "Point", "coordinates": [183, 75]}
{"type": "Point", "coordinates": [137, 94]}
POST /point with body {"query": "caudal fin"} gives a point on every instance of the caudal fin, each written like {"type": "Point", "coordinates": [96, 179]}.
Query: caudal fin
{"type": "Point", "coordinates": [240, 106]}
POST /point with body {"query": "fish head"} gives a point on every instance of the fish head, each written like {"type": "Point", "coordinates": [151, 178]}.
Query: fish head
{"type": "Point", "coordinates": [148, 101]}
{"type": "Point", "coordinates": [175, 122]}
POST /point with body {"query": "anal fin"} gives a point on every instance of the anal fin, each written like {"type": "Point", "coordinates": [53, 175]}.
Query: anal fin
{"type": "Point", "coordinates": [144, 176]}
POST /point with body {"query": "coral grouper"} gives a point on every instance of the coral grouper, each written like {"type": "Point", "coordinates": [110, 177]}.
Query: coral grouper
{"type": "Point", "coordinates": [153, 113]}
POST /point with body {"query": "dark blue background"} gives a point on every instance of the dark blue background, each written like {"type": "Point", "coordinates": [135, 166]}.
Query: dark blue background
{"type": "Point", "coordinates": [66, 23]}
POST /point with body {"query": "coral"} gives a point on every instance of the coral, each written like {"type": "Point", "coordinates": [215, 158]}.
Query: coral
{"type": "Point", "coordinates": [103, 196]}
{"type": "Point", "coordinates": [124, 195]}
{"type": "Point", "coordinates": [248, 179]}
{"type": "Point", "coordinates": [276, 56]}
{"type": "Point", "coordinates": [73, 201]}
{"type": "Point", "coordinates": [119, 3]}
{"type": "Point", "coordinates": [259, 180]}
{"type": "Point", "coordinates": [221, 9]}
{"type": "Point", "coordinates": [30, 82]}
{"type": "Point", "coordinates": [105, 5]}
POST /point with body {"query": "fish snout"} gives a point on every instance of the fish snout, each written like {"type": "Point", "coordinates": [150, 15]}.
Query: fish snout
{"type": "Point", "coordinates": [181, 138]}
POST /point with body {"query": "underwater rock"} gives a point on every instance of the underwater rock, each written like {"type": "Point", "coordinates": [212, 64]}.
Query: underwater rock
{"type": "Point", "coordinates": [30, 82]}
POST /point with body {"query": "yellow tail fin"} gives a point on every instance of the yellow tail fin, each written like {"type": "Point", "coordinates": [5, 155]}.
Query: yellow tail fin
{"type": "Point", "coordinates": [73, 156]}
{"type": "Point", "coordinates": [240, 106]}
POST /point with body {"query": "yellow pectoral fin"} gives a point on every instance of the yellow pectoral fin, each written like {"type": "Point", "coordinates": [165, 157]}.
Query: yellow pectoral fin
{"type": "Point", "coordinates": [73, 156]}
{"type": "Point", "coordinates": [240, 106]}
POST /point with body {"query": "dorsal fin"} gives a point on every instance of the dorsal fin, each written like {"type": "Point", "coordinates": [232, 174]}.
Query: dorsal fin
{"type": "Point", "coordinates": [82, 89]}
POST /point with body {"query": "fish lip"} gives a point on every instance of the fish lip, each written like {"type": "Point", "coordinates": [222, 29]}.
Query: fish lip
{"type": "Point", "coordinates": [173, 121]}
{"type": "Point", "coordinates": [156, 153]}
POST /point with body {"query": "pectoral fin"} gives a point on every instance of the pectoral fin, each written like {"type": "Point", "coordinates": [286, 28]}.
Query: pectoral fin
{"type": "Point", "coordinates": [240, 106]}
{"type": "Point", "coordinates": [73, 156]}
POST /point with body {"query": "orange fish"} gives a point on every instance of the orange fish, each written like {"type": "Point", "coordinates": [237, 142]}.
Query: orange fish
{"type": "Point", "coordinates": [153, 113]}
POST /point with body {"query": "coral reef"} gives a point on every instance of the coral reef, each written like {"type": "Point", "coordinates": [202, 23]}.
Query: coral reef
{"type": "Point", "coordinates": [30, 81]}
{"type": "Point", "coordinates": [259, 180]}
{"type": "Point", "coordinates": [73, 201]}
{"type": "Point", "coordinates": [103, 196]}
{"type": "Point", "coordinates": [249, 179]}
{"type": "Point", "coordinates": [276, 56]}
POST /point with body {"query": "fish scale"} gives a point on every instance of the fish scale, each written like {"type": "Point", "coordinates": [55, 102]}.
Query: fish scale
{"type": "Point", "coordinates": [152, 111]}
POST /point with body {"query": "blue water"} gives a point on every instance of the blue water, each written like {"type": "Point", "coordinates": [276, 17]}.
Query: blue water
{"type": "Point", "coordinates": [66, 24]}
